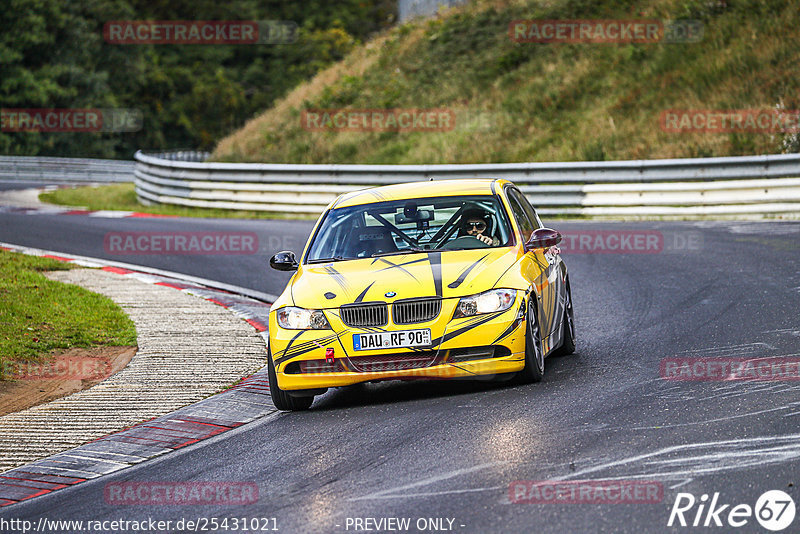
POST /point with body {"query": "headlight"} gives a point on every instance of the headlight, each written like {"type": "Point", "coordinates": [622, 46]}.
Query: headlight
{"type": "Point", "coordinates": [293, 318]}
{"type": "Point", "coordinates": [490, 301]}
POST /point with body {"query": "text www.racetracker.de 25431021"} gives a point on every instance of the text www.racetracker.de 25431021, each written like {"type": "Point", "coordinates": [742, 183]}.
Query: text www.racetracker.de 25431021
{"type": "Point", "coordinates": [197, 524]}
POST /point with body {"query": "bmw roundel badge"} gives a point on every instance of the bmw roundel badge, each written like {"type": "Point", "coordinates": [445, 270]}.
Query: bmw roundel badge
{"type": "Point", "coordinates": [390, 294]}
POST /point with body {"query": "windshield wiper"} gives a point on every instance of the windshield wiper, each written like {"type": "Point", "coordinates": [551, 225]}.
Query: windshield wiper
{"type": "Point", "coordinates": [396, 252]}
{"type": "Point", "coordinates": [324, 260]}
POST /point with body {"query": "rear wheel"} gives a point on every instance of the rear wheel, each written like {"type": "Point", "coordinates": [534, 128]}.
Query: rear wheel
{"type": "Point", "coordinates": [534, 356]}
{"type": "Point", "coordinates": [280, 398]}
{"type": "Point", "coordinates": [568, 337]}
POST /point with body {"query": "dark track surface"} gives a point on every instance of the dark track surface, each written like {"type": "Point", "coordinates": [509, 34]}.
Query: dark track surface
{"type": "Point", "coordinates": [84, 235]}
{"type": "Point", "coordinates": [6, 185]}
{"type": "Point", "coordinates": [450, 450]}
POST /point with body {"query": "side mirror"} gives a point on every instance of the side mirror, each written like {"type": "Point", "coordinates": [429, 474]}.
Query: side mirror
{"type": "Point", "coordinates": [283, 261]}
{"type": "Point", "coordinates": [543, 238]}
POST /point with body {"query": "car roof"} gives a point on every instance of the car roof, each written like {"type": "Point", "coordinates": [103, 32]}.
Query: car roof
{"type": "Point", "coordinates": [441, 188]}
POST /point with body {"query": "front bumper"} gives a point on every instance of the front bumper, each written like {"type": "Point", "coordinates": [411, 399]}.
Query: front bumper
{"type": "Point", "coordinates": [504, 332]}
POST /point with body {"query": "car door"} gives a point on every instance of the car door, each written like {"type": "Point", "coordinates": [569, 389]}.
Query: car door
{"type": "Point", "coordinates": [542, 267]}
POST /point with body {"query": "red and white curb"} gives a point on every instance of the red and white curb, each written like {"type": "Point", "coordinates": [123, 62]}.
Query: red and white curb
{"type": "Point", "coordinates": [26, 202]}
{"type": "Point", "coordinates": [103, 214]}
{"type": "Point", "coordinates": [245, 402]}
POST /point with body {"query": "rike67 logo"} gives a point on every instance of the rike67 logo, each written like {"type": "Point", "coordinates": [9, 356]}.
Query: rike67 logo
{"type": "Point", "coordinates": [774, 510]}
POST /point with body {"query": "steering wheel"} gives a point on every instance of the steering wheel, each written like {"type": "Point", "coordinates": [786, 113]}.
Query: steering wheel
{"type": "Point", "coordinates": [465, 242]}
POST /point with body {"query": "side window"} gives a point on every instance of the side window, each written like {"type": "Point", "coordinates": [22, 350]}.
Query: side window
{"type": "Point", "coordinates": [523, 200]}
{"type": "Point", "coordinates": [524, 223]}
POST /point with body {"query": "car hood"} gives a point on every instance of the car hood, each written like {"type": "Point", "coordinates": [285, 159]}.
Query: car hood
{"type": "Point", "coordinates": [447, 274]}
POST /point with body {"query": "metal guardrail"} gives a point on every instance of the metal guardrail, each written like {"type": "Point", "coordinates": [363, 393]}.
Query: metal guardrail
{"type": "Point", "coordinates": [183, 155]}
{"type": "Point", "coordinates": [740, 186]}
{"type": "Point", "coordinates": [407, 9]}
{"type": "Point", "coordinates": [65, 170]}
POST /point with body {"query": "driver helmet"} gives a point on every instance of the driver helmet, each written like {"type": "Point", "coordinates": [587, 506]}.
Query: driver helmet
{"type": "Point", "coordinates": [475, 214]}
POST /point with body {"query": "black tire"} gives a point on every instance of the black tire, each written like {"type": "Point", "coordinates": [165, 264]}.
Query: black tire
{"type": "Point", "coordinates": [534, 356]}
{"type": "Point", "coordinates": [568, 337]}
{"type": "Point", "coordinates": [503, 377]}
{"type": "Point", "coordinates": [281, 399]}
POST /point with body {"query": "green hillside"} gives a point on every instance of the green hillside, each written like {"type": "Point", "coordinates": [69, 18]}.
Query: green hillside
{"type": "Point", "coordinates": [53, 54]}
{"type": "Point", "coordinates": [545, 102]}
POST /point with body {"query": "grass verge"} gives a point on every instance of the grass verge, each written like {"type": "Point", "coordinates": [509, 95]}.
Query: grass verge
{"type": "Point", "coordinates": [516, 102]}
{"type": "Point", "coordinates": [122, 197]}
{"type": "Point", "coordinates": [38, 315]}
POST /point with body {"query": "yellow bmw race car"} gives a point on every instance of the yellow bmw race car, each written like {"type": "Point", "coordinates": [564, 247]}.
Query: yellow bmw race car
{"type": "Point", "coordinates": [448, 279]}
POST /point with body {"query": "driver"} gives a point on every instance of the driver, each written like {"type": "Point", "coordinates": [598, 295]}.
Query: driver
{"type": "Point", "coordinates": [476, 223]}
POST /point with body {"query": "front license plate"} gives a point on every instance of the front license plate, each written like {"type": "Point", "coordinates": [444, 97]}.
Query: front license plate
{"type": "Point", "coordinates": [392, 340]}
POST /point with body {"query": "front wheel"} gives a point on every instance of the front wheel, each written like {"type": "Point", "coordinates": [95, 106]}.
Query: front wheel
{"type": "Point", "coordinates": [281, 399]}
{"type": "Point", "coordinates": [534, 356]}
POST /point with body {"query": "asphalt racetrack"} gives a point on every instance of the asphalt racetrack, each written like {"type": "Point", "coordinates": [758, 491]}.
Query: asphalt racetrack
{"type": "Point", "coordinates": [444, 454]}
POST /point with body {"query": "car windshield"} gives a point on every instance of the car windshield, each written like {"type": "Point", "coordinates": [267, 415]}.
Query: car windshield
{"type": "Point", "coordinates": [411, 225]}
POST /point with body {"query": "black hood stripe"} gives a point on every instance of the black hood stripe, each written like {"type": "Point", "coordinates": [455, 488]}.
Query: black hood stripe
{"type": "Point", "coordinates": [399, 265]}
{"type": "Point", "coordinates": [435, 258]}
{"type": "Point", "coordinates": [458, 281]}
{"type": "Point", "coordinates": [340, 279]}
{"type": "Point", "coordinates": [360, 297]}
